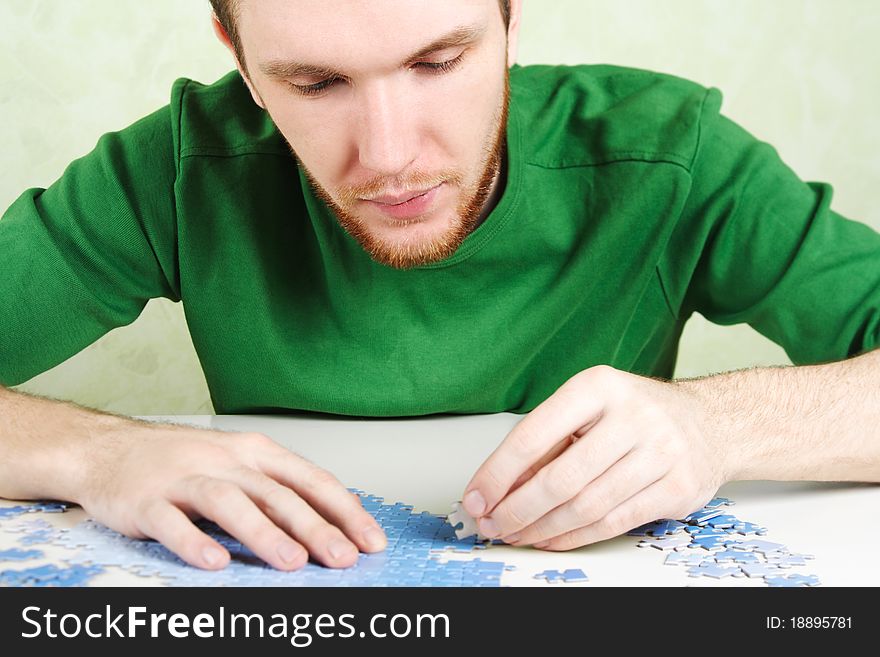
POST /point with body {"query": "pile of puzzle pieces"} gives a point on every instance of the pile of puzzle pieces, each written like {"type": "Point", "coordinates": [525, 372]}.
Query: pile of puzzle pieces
{"type": "Point", "coordinates": [714, 543]}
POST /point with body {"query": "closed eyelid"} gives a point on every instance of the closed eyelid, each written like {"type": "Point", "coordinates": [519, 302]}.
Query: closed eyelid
{"type": "Point", "coordinates": [441, 54]}
{"type": "Point", "coordinates": [461, 37]}
{"type": "Point", "coordinates": [443, 65]}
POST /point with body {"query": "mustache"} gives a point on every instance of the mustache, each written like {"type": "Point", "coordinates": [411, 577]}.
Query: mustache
{"type": "Point", "coordinates": [381, 185]}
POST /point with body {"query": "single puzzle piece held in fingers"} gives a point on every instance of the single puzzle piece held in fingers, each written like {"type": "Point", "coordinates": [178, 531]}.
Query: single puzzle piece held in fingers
{"type": "Point", "coordinates": [468, 524]}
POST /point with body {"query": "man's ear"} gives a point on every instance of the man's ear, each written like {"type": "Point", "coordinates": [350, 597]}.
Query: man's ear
{"type": "Point", "coordinates": [227, 42]}
{"type": "Point", "coordinates": [513, 31]}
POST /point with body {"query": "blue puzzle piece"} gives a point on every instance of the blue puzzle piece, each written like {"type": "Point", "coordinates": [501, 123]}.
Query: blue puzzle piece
{"type": "Point", "coordinates": [658, 528]}
{"type": "Point", "coordinates": [574, 575]}
{"type": "Point", "coordinates": [645, 530]}
{"type": "Point", "coordinates": [48, 506]}
{"type": "Point", "coordinates": [763, 547]}
{"type": "Point", "coordinates": [791, 581]}
{"type": "Point", "coordinates": [788, 560]}
{"type": "Point", "coordinates": [38, 531]}
{"type": "Point", "coordinates": [12, 511]}
{"type": "Point", "coordinates": [16, 554]}
{"type": "Point", "coordinates": [723, 521]}
{"type": "Point", "coordinates": [759, 569]}
{"type": "Point", "coordinates": [735, 556]}
{"type": "Point", "coordinates": [684, 559]}
{"type": "Point", "coordinates": [749, 528]}
{"type": "Point", "coordinates": [667, 527]}
{"type": "Point", "coordinates": [569, 575]}
{"type": "Point", "coordinates": [702, 516]}
{"type": "Point", "coordinates": [713, 570]}
{"type": "Point", "coordinates": [711, 542]}
{"type": "Point", "coordinates": [50, 576]}
{"type": "Point", "coordinates": [549, 575]}
{"type": "Point", "coordinates": [35, 507]}
{"type": "Point", "coordinates": [696, 530]}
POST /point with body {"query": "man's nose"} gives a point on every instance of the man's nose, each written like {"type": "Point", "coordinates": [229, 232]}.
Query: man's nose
{"type": "Point", "coordinates": [388, 139]}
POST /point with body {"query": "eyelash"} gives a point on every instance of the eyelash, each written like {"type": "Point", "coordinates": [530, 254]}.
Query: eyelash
{"type": "Point", "coordinates": [434, 68]}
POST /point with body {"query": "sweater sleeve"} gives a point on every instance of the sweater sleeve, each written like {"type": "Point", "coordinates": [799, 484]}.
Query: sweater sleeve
{"type": "Point", "coordinates": [85, 255]}
{"type": "Point", "coordinates": [755, 244]}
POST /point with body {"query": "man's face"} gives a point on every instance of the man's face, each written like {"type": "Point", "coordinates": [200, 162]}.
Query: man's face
{"type": "Point", "coordinates": [397, 110]}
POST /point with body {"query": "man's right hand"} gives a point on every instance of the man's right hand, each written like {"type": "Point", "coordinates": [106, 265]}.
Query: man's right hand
{"type": "Point", "coordinates": [155, 480]}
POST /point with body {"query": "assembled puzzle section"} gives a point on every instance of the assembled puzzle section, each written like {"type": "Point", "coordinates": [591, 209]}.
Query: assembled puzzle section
{"type": "Point", "coordinates": [417, 543]}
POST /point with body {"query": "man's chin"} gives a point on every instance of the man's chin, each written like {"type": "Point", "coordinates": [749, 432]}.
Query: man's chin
{"type": "Point", "coordinates": [403, 245]}
{"type": "Point", "coordinates": [426, 228]}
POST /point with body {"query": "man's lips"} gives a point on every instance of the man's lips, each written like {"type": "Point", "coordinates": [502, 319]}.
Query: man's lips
{"type": "Point", "coordinates": [406, 206]}
{"type": "Point", "coordinates": [401, 197]}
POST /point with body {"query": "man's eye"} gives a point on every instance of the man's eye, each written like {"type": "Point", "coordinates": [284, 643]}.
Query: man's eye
{"type": "Point", "coordinates": [440, 67]}
{"type": "Point", "coordinates": [430, 67]}
{"type": "Point", "coordinates": [313, 89]}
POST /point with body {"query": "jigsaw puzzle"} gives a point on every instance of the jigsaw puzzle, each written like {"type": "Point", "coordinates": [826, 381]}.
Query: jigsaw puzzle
{"type": "Point", "coordinates": [417, 544]}
{"type": "Point", "coordinates": [710, 543]}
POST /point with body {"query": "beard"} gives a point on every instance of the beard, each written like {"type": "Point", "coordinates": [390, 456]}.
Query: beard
{"type": "Point", "coordinates": [408, 252]}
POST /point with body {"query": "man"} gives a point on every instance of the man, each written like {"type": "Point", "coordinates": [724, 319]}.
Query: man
{"type": "Point", "coordinates": [380, 214]}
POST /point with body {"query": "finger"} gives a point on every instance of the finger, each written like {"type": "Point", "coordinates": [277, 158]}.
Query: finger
{"type": "Point", "coordinates": [167, 524]}
{"type": "Point", "coordinates": [227, 505]}
{"type": "Point", "coordinates": [558, 481]}
{"type": "Point", "coordinates": [325, 542]}
{"type": "Point", "coordinates": [555, 451]}
{"type": "Point", "coordinates": [633, 473]}
{"type": "Point", "coordinates": [324, 493]}
{"type": "Point", "coordinates": [560, 415]}
{"type": "Point", "coordinates": [645, 506]}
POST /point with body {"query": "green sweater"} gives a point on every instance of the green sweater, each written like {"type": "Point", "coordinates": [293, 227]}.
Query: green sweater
{"type": "Point", "coordinates": [630, 203]}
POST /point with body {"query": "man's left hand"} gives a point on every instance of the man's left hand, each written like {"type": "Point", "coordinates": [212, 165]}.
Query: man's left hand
{"type": "Point", "coordinates": [607, 452]}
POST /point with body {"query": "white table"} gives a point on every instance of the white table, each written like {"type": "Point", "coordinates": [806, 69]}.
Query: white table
{"type": "Point", "coordinates": [427, 462]}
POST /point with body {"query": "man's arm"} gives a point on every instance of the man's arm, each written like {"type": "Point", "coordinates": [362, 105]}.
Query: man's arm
{"type": "Point", "coordinates": [814, 422]}
{"type": "Point", "coordinates": [153, 480]}
{"type": "Point", "coordinates": [610, 451]}
{"type": "Point", "coordinates": [753, 244]}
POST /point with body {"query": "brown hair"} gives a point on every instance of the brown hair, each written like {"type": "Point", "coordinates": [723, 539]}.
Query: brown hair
{"type": "Point", "coordinates": [227, 14]}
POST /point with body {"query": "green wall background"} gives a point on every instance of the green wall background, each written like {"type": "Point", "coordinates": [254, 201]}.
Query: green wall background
{"type": "Point", "coordinates": [803, 75]}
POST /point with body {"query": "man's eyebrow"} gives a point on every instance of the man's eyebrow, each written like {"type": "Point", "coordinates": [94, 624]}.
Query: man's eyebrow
{"type": "Point", "coordinates": [460, 36]}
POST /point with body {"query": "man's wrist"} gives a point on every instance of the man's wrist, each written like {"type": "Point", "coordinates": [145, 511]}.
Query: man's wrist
{"type": "Point", "coordinates": [52, 449]}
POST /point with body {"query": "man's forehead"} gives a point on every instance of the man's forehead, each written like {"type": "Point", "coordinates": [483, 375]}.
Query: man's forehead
{"type": "Point", "coordinates": [283, 36]}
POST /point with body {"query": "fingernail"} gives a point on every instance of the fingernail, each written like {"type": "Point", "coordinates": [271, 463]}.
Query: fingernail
{"type": "Point", "coordinates": [212, 555]}
{"type": "Point", "coordinates": [542, 544]}
{"type": "Point", "coordinates": [474, 503]}
{"type": "Point", "coordinates": [488, 528]}
{"type": "Point", "coordinates": [375, 538]}
{"type": "Point", "coordinates": [513, 538]}
{"type": "Point", "coordinates": [289, 552]}
{"type": "Point", "coordinates": [339, 548]}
